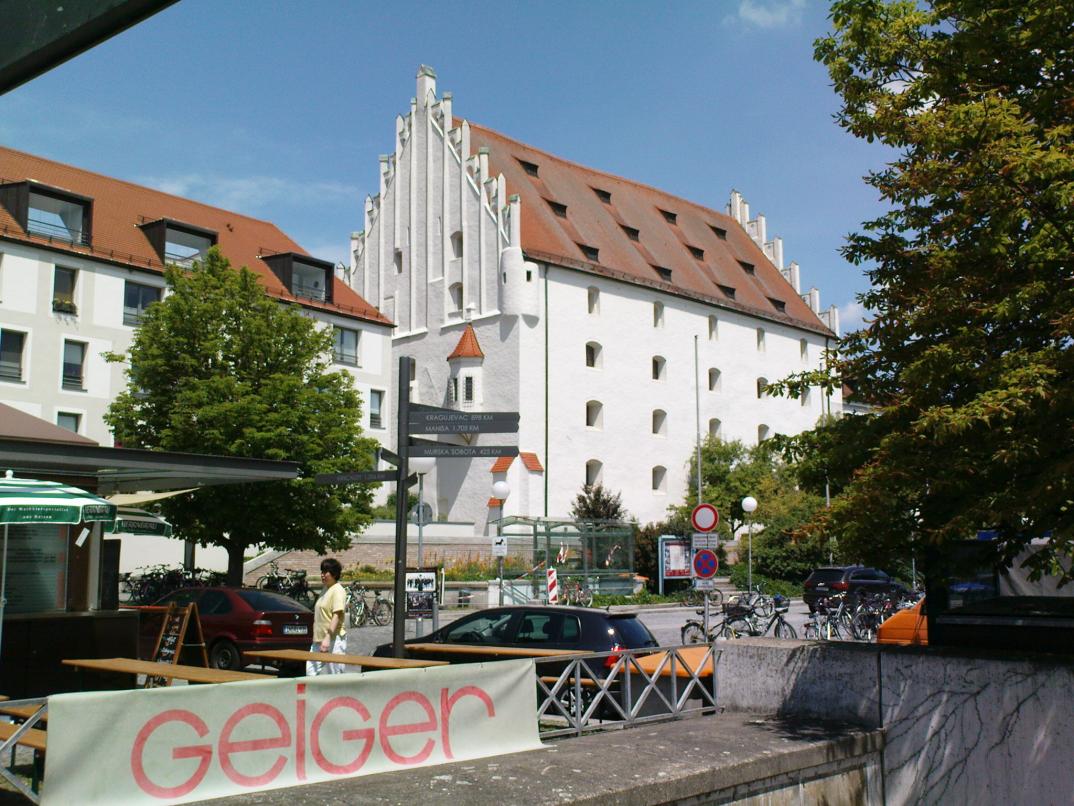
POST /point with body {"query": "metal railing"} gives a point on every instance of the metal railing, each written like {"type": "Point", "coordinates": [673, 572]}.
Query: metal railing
{"type": "Point", "coordinates": [587, 695]}
{"type": "Point", "coordinates": [57, 231]}
{"type": "Point", "coordinates": [7, 746]}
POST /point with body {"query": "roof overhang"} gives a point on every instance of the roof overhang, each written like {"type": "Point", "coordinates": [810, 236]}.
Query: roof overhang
{"type": "Point", "coordinates": [113, 470]}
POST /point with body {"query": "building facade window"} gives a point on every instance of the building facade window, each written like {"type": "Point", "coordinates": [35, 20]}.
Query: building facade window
{"type": "Point", "coordinates": [74, 359]}
{"type": "Point", "coordinates": [136, 298]}
{"type": "Point", "coordinates": [658, 314]}
{"type": "Point", "coordinates": [468, 389]}
{"type": "Point", "coordinates": [183, 247]}
{"type": "Point", "coordinates": [715, 379]}
{"type": "Point", "coordinates": [398, 261]}
{"type": "Point", "coordinates": [453, 390]}
{"type": "Point", "coordinates": [660, 479]}
{"type": "Point", "coordinates": [594, 472]}
{"type": "Point", "coordinates": [593, 355]}
{"type": "Point", "coordinates": [660, 422]}
{"type": "Point", "coordinates": [593, 300]}
{"type": "Point", "coordinates": [760, 339]}
{"type": "Point", "coordinates": [714, 427]}
{"type": "Point", "coordinates": [762, 385]}
{"type": "Point", "coordinates": [594, 414]}
{"type": "Point", "coordinates": [376, 405]}
{"type": "Point", "coordinates": [64, 219]}
{"type": "Point", "coordinates": [63, 289]}
{"type": "Point", "coordinates": [345, 346]}
{"type": "Point", "coordinates": [803, 349]}
{"type": "Point", "coordinates": [456, 245]}
{"type": "Point", "coordinates": [805, 397]}
{"type": "Point", "coordinates": [12, 343]}
{"type": "Point", "coordinates": [69, 420]}
{"type": "Point", "coordinates": [455, 299]}
{"type": "Point", "coordinates": [714, 328]}
{"type": "Point", "coordinates": [659, 368]}
{"type": "Point", "coordinates": [762, 433]}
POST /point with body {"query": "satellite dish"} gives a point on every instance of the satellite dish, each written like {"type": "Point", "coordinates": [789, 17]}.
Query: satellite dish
{"type": "Point", "coordinates": [421, 514]}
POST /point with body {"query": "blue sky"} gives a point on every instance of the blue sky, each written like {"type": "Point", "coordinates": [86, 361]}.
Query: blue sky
{"type": "Point", "coordinates": [279, 109]}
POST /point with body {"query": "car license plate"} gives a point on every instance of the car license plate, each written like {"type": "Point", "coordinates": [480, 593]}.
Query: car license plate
{"type": "Point", "coordinates": [295, 629]}
{"type": "Point", "coordinates": [822, 587]}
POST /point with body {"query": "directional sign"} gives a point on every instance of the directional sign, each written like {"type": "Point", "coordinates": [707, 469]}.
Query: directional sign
{"type": "Point", "coordinates": [356, 477]}
{"type": "Point", "coordinates": [391, 457]}
{"type": "Point", "coordinates": [449, 451]}
{"type": "Point", "coordinates": [704, 517]}
{"type": "Point", "coordinates": [706, 564]}
{"type": "Point", "coordinates": [433, 420]}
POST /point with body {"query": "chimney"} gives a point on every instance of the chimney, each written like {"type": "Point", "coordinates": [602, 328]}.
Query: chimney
{"type": "Point", "coordinates": [445, 104]}
{"type": "Point", "coordinates": [483, 164]}
{"type": "Point", "coordinates": [426, 85]}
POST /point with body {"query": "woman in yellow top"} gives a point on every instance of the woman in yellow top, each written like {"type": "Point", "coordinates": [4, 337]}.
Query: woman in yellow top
{"type": "Point", "coordinates": [328, 632]}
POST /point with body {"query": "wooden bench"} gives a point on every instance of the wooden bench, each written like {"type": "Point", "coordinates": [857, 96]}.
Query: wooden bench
{"type": "Point", "coordinates": [32, 738]}
{"type": "Point", "coordinates": [364, 661]}
{"type": "Point", "coordinates": [22, 712]}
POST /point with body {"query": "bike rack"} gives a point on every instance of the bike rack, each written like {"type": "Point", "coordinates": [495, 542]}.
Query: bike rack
{"type": "Point", "coordinates": [11, 743]}
{"type": "Point", "coordinates": [591, 701]}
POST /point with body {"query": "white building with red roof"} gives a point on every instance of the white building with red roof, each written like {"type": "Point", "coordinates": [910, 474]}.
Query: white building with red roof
{"type": "Point", "coordinates": [521, 281]}
{"type": "Point", "coordinates": [81, 257]}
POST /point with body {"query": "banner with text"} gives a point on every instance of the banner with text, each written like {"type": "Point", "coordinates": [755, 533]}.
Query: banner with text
{"type": "Point", "coordinates": [190, 743]}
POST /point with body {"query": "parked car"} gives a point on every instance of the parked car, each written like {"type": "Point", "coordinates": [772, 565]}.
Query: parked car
{"type": "Point", "coordinates": [234, 620]}
{"type": "Point", "coordinates": [909, 626]}
{"type": "Point", "coordinates": [534, 627]}
{"type": "Point", "coordinates": [849, 579]}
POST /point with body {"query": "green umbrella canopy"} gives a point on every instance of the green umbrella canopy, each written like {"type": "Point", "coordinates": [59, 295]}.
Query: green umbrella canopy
{"type": "Point", "coordinates": [31, 501]}
{"type": "Point", "coordinates": [139, 522]}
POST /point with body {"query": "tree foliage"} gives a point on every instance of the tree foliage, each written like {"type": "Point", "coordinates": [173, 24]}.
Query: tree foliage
{"type": "Point", "coordinates": [594, 503]}
{"type": "Point", "coordinates": [969, 357]}
{"type": "Point", "coordinates": [217, 367]}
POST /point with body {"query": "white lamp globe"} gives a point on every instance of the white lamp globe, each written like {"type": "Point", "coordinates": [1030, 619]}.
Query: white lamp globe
{"type": "Point", "coordinates": [501, 489]}
{"type": "Point", "coordinates": [749, 504]}
{"type": "Point", "coordinates": [422, 464]}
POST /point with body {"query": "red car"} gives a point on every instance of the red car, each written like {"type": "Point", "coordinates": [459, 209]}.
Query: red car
{"type": "Point", "coordinates": [234, 620]}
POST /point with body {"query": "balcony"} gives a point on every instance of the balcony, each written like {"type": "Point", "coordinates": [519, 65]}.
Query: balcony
{"type": "Point", "coordinates": [57, 232]}
{"type": "Point", "coordinates": [308, 290]}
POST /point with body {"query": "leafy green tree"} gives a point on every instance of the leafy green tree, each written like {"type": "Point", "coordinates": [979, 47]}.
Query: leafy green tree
{"type": "Point", "coordinates": [729, 472]}
{"type": "Point", "coordinates": [970, 355]}
{"type": "Point", "coordinates": [594, 503]}
{"type": "Point", "coordinates": [218, 367]}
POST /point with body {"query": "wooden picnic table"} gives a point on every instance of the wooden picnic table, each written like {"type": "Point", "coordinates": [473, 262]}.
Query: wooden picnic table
{"type": "Point", "coordinates": [501, 651]}
{"type": "Point", "coordinates": [192, 674]}
{"type": "Point", "coordinates": [365, 661]}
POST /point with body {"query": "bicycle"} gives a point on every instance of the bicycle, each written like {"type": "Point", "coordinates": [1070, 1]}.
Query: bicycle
{"type": "Point", "coordinates": [760, 601]}
{"type": "Point", "coordinates": [695, 597]}
{"type": "Point", "coordinates": [291, 583]}
{"type": "Point", "coordinates": [693, 631]}
{"type": "Point", "coordinates": [830, 621]}
{"type": "Point", "coordinates": [574, 591]}
{"type": "Point", "coordinates": [743, 620]}
{"type": "Point", "coordinates": [360, 611]}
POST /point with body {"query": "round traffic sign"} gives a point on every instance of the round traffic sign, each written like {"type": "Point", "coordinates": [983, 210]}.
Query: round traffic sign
{"type": "Point", "coordinates": [704, 517]}
{"type": "Point", "coordinates": [706, 564]}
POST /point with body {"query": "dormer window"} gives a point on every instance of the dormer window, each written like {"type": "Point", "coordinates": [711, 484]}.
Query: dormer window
{"type": "Point", "coordinates": [557, 208]}
{"type": "Point", "coordinates": [529, 167]}
{"type": "Point", "coordinates": [603, 195]}
{"type": "Point", "coordinates": [778, 304]}
{"type": "Point", "coordinates": [665, 273]}
{"type": "Point", "coordinates": [699, 254]}
{"type": "Point", "coordinates": [719, 232]}
{"type": "Point", "coordinates": [669, 216]}
{"type": "Point", "coordinates": [590, 252]}
{"type": "Point", "coordinates": [52, 213]}
{"type": "Point", "coordinates": [747, 267]}
{"type": "Point", "coordinates": [727, 290]}
{"type": "Point", "coordinates": [177, 242]}
{"type": "Point", "coordinates": [304, 276]}
{"type": "Point", "coordinates": [631, 232]}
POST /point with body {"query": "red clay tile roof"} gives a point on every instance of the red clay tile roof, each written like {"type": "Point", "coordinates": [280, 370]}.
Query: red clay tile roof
{"type": "Point", "coordinates": [531, 461]}
{"type": "Point", "coordinates": [502, 464]}
{"type": "Point", "coordinates": [119, 207]}
{"type": "Point", "coordinates": [495, 502]}
{"type": "Point", "coordinates": [595, 224]}
{"type": "Point", "coordinates": [467, 346]}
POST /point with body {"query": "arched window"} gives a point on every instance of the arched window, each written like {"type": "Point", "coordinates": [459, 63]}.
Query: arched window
{"type": "Point", "coordinates": [398, 261]}
{"type": "Point", "coordinates": [714, 427]}
{"type": "Point", "coordinates": [593, 295]}
{"type": "Point", "coordinates": [456, 245]}
{"type": "Point", "coordinates": [762, 384]}
{"type": "Point", "coordinates": [658, 314]}
{"type": "Point", "coordinates": [762, 433]}
{"type": "Point", "coordinates": [455, 294]}
{"type": "Point", "coordinates": [594, 414]}
{"type": "Point", "coordinates": [803, 349]}
{"type": "Point", "coordinates": [805, 397]}
{"type": "Point", "coordinates": [594, 472]}
{"type": "Point", "coordinates": [714, 380]}
{"type": "Point", "coordinates": [714, 328]}
{"type": "Point", "coordinates": [760, 339]}
{"type": "Point", "coordinates": [660, 479]}
{"type": "Point", "coordinates": [660, 422]}
{"type": "Point", "coordinates": [659, 368]}
{"type": "Point", "coordinates": [593, 355]}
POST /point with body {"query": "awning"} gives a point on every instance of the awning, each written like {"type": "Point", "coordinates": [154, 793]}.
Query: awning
{"type": "Point", "coordinates": [134, 499]}
{"type": "Point", "coordinates": [139, 522]}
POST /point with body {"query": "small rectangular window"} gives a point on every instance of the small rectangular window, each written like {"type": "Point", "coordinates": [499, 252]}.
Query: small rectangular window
{"type": "Point", "coordinates": [557, 208]}
{"type": "Point", "coordinates": [63, 289]}
{"type": "Point", "coordinates": [590, 252]}
{"type": "Point", "coordinates": [669, 216]}
{"type": "Point", "coordinates": [74, 359]}
{"type": "Point", "coordinates": [699, 254]}
{"type": "Point", "coordinates": [747, 267]}
{"type": "Point", "coordinates": [468, 389]}
{"type": "Point", "coordinates": [345, 346]}
{"type": "Point", "coordinates": [665, 273]}
{"type": "Point", "coordinates": [529, 168]}
{"type": "Point", "coordinates": [376, 403]}
{"type": "Point", "coordinates": [727, 290]}
{"type": "Point", "coordinates": [68, 420]}
{"type": "Point", "coordinates": [136, 298]}
{"type": "Point", "coordinates": [631, 232]}
{"type": "Point", "coordinates": [719, 232]}
{"type": "Point", "coordinates": [453, 390]}
{"type": "Point", "coordinates": [11, 347]}
{"type": "Point", "coordinates": [603, 195]}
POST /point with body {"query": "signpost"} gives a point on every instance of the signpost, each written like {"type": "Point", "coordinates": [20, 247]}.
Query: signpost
{"type": "Point", "coordinates": [415, 418]}
{"type": "Point", "coordinates": [705, 517]}
{"type": "Point", "coordinates": [705, 563]}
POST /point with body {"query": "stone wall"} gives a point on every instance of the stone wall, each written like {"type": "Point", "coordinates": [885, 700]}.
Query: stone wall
{"type": "Point", "coordinates": [958, 726]}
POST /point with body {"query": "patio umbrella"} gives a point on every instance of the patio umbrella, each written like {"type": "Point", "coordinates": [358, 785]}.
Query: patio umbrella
{"type": "Point", "coordinates": [32, 501]}
{"type": "Point", "coordinates": [130, 520]}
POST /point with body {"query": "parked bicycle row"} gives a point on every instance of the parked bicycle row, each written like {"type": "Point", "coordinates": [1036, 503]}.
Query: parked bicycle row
{"type": "Point", "coordinates": [148, 584]}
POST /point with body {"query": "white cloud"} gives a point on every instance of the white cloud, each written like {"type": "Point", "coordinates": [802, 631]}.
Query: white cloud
{"type": "Point", "coordinates": [852, 316]}
{"type": "Point", "coordinates": [250, 194]}
{"type": "Point", "coordinates": [770, 13]}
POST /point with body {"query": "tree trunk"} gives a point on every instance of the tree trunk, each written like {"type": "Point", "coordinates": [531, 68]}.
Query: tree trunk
{"type": "Point", "coordinates": [235, 553]}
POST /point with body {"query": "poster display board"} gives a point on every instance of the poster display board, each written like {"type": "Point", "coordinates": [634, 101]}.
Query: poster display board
{"type": "Point", "coordinates": [191, 743]}
{"type": "Point", "coordinates": [36, 568]}
{"type": "Point", "coordinates": [420, 593]}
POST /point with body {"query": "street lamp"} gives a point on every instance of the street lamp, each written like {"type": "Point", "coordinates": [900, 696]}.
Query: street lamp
{"type": "Point", "coordinates": [500, 490]}
{"type": "Point", "coordinates": [749, 504]}
{"type": "Point", "coordinates": [421, 465]}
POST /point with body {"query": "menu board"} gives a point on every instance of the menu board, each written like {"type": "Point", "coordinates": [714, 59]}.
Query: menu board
{"type": "Point", "coordinates": [36, 569]}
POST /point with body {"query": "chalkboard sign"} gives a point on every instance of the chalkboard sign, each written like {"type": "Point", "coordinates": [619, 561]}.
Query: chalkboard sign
{"type": "Point", "coordinates": [180, 622]}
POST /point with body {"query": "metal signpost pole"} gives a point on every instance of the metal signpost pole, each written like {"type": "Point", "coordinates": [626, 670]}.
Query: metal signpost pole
{"type": "Point", "coordinates": [420, 623]}
{"type": "Point", "coordinates": [403, 443]}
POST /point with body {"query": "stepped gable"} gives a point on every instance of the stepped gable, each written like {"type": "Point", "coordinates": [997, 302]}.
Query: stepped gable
{"type": "Point", "coordinates": [639, 234]}
{"type": "Point", "coordinates": [119, 207]}
{"type": "Point", "coordinates": [467, 346]}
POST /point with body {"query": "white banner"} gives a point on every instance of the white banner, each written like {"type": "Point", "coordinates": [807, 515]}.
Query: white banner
{"type": "Point", "coordinates": [190, 743]}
